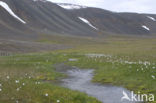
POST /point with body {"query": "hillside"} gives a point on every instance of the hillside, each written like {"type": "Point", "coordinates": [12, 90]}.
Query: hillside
{"type": "Point", "coordinates": [29, 19]}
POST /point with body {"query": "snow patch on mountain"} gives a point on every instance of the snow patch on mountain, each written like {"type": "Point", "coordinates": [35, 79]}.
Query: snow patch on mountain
{"type": "Point", "coordinates": [87, 22]}
{"type": "Point", "coordinates": [7, 8]}
{"type": "Point", "coordinates": [70, 6]}
{"type": "Point", "coordinates": [152, 18]}
{"type": "Point", "coordinates": [145, 27]}
{"type": "Point", "coordinates": [40, 0]}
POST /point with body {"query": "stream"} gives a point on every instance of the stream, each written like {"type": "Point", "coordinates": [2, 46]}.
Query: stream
{"type": "Point", "coordinates": [80, 79]}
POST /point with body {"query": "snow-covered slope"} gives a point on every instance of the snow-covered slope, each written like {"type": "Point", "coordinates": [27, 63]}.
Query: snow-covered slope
{"type": "Point", "coordinates": [152, 18]}
{"type": "Point", "coordinates": [7, 8]}
{"type": "Point", "coordinates": [70, 6]}
{"type": "Point", "coordinates": [40, 0]}
{"type": "Point", "coordinates": [145, 27]}
{"type": "Point", "coordinates": [87, 22]}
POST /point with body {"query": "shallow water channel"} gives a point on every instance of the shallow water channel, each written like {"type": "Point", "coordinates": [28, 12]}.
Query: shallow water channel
{"type": "Point", "coordinates": [80, 79]}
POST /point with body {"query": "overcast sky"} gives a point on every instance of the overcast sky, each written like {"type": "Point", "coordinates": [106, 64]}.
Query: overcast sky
{"type": "Point", "coordinates": [140, 6]}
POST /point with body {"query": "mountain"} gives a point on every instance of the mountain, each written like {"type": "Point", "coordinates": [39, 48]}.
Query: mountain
{"type": "Point", "coordinates": [120, 23]}
{"type": "Point", "coordinates": [29, 19]}
{"type": "Point", "coordinates": [39, 18]}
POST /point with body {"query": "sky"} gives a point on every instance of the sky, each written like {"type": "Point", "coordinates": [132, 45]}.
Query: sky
{"type": "Point", "coordinates": [139, 6]}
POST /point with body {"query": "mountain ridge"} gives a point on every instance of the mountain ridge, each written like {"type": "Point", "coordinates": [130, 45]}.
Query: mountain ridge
{"type": "Point", "coordinates": [34, 17]}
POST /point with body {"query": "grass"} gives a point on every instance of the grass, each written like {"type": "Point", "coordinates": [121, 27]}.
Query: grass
{"type": "Point", "coordinates": [40, 93]}
{"type": "Point", "coordinates": [116, 71]}
{"type": "Point", "coordinates": [127, 61]}
{"type": "Point", "coordinates": [134, 48]}
{"type": "Point", "coordinates": [31, 78]}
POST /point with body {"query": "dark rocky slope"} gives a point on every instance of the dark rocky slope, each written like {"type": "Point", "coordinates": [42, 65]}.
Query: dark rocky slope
{"type": "Point", "coordinates": [121, 23]}
{"type": "Point", "coordinates": [42, 17]}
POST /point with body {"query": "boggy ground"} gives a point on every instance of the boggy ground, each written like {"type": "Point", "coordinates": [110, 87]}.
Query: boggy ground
{"type": "Point", "coordinates": [126, 61]}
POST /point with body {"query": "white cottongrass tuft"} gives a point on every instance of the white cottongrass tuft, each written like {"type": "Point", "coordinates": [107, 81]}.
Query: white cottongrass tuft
{"type": "Point", "coordinates": [23, 84]}
{"type": "Point", "coordinates": [16, 81]}
{"type": "Point", "coordinates": [17, 89]}
{"type": "Point", "coordinates": [37, 82]}
{"type": "Point", "coordinates": [58, 101]}
{"type": "Point", "coordinates": [97, 55]}
{"type": "Point", "coordinates": [142, 69]}
{"type": "Point", "coordinates": [153, 76]}
{"type": "Point", "coordinates": [8, 77]}
{"type": "Point", "coordinates": [46, 94]}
